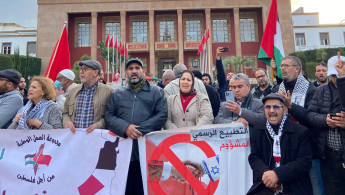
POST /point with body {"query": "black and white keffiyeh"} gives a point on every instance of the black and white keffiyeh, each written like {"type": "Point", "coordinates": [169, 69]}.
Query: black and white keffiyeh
{"type": "Point", "coordinates": [299, 91]}
{"type": "Point", "coordinates": [37, 112]}
{"type": "Point", "coordinates": [276, 139]}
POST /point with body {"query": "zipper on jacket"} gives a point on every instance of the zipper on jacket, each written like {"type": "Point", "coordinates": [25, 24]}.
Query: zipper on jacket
{"type": "Point", "coordinates": [135, 98]}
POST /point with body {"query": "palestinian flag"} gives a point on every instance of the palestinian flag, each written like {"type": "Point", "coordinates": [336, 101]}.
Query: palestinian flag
{"type": "Point", "coordinates": [271, 43]}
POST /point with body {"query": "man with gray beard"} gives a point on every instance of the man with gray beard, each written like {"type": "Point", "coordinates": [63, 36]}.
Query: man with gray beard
{"type": "Point", "coordinates": [133, 111]}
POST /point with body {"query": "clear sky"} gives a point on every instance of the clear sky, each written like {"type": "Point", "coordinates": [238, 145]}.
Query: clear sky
{"type": "Point", "coordinates": [22, 12]}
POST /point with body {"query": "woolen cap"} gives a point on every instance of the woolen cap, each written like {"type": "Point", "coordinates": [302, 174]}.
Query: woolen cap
{"type": "Point", "coordinates": [12, 75]}
{"type": "Point", "coordinates": [274, 96]}
{"type": "Point", "coordinates": [92, 64]}
{"type": "Point", "coordinates": [134, 60]}
{"type": "Point", "coordinates": [68, 74]}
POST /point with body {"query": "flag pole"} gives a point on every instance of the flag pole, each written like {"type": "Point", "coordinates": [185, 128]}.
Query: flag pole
{"type": "Point", "coordinates": [112, 67]}
{"type": "Point", "coordinates": [108, 62]}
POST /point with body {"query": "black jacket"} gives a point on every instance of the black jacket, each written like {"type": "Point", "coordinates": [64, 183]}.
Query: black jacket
{"type": "Point", "coordinates": [214, 99]}
{"type": "Point", "coordinates": [261, 94]}
{"type": "Point", "coordinates": [147, 109]}
{"type": "Point", "coordinates": [296, 157]}
{"type": "Point", "coordinates": [341, 89]}
{"type": "Point", "coordinates": [317, 113]}
{"type": "Point", "coordinates": [222, 82]}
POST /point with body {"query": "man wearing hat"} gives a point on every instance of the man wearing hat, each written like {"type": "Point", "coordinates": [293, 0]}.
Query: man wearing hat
{"type": "Point", "coordinates": [326, 113]}
{"type": "Point", "coordinates": [85, 104]}
{"type": "Point", "coordinates": [280, 152]}
{"type": "Point", "coordinates": [10, 99]}
{"type": "Point", "coordinates": [133, 111]}
{"type": "Point", "coordinates": [64, 83]}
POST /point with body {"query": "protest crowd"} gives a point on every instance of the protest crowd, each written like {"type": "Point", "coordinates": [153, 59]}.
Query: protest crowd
{"type": "Point", "coordinates": [297, 127]}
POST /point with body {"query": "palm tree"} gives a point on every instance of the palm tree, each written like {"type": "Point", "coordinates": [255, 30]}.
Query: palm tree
{"type": "Point", "coordinates": [237, 63]}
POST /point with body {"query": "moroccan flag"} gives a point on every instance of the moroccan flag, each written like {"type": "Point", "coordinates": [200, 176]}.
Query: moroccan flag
{"type": "Point", "coordinates": [60, 58]}
{"type": "Point", "coordinates": [111, 42]}
{"type": "Point", "coordinates": [42, 159]}
{"type": "Point", "coordinates": [119, 48]}
{"type": "Point", "coordinates": [271, 43]}
{"type": "Point", "coordinates": [115, 45]}
{"type": "Point", "coordinates": [122, 50]}
{"type": "Point", "coordinates": [107, 40]}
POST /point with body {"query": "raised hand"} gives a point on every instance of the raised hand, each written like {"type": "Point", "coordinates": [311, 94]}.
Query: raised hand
{"type": "Point", "coordinates": [340, 65]}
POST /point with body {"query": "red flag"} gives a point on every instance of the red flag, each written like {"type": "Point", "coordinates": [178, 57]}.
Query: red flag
{"type": "Point", "coordinates": [42, 159]}
{"type": "Point", "coordinates": [200, 47]}
{"type": "Point", "coordinates": [107, 40]}
{"type": "Point", "coordinates": [115, 45]}
{"type": "Point", "coordinates": [119, 48]}
{"type": "Point", "coordinates": [208, 34]}
{"type": "Point", "coordinates": [122, 50]}
{"type": "Point", "coordinates": [111, 42]}
{"type": "Point", "coordinates": [60, 58]}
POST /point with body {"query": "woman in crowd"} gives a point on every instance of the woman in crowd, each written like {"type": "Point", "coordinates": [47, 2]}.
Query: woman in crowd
{"type": "Point", "coordinates": [40, 112]}
{"type": "Point", "coordinates": [188, 108]}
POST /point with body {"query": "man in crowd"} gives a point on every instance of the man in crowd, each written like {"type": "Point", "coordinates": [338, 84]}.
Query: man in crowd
{"type": "Point", "coordinates": [85, 104]}
{"type": "Point", "coordinates": [10, 98]}
{"type": "Point", "coordinates": [65, 78]}
{"type": "Point", "coordinates": [212, 94]}
{"type": "Point", "coordinates": [223, 82]}
{"type": "Point", "coordinates": [167, 77]}
{"type": "Point", "coordinates": [173, 87]}
{"type": "Point", "coordinates": [321, 74]}
{"type": "Point", "coordinates": [280, 152]}
{"type": "Point", "coordinates": [264, 87]}
{"type": "Point", "coordinates": [206, 79]}
{"type": "Point", "coordinates": [245, 109]}
{"type": "Point", "coordinates": [23, 91]}
{"type": "Point", "coordinates": [133, 111]}
{"type": "Point", "coordinates": [326, 113]}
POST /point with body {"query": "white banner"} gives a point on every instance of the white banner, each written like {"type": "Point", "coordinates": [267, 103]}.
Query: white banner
{"type": "Point", "coordinates": [58, 162]}
{"type": "Point", "coordinates": [196, 160]}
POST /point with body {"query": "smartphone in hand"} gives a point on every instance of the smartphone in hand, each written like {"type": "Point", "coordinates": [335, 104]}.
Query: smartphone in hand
{"type": "Point", "coordinates": [332, 114]}
{"type": "Point", "coordinates": [229, 95]}
{"type": "Point", "coordinates": [224, 49]}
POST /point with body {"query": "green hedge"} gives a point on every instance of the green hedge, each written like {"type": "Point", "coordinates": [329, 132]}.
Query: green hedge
{"type": "Point", "coordinates": [26, 65]}
{"type": "Point", "coordinates": [6, 62]}
{"type": "Point", "coordinates": [311, 58]}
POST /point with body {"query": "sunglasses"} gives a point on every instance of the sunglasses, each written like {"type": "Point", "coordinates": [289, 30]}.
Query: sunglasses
{"type": "Point", "coordinates": [275, 107]}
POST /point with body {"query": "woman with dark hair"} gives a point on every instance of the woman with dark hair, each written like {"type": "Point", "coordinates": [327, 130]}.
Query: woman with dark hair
{"type": "Point", "coordinates": [40, 112]}
{"type": "Point", "coordinates": [188, 108]}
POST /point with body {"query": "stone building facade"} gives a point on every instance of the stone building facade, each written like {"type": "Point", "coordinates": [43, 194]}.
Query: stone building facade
{"type": "Point", "coordinates": [161, 32]}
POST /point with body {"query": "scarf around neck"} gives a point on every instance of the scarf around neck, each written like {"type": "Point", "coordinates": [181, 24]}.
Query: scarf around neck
{"type": "Point", "coordinates": [299, 91]}
{"type": "Point", "coordinates": [276, 139]}
{"type": "Point", "coordinates": [37, 112]}
{"type": "Point", "coordinates": [138, 86]}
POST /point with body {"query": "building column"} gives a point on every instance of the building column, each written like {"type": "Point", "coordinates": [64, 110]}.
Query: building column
{"type": "Point", "coordinates": [94, 35]}
{"type": "Point", "coordinates": [180, 36]}
{"type": "Point", "coordinates": [152, 42]}
{"type": "Point", "coordinates": [209, 42]}
{"type": "Point", "coordinates": [237, 31]}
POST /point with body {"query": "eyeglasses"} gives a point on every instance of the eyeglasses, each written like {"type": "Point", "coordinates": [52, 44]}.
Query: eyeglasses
{"type": "Point", "coordinates": [286, 65]}
{"type": "Point", "coordinates": [59, 78]}
{"type": "Point", "coordinates": [84, 69]}
{"type": "Point", "coordinates": [275, 107]}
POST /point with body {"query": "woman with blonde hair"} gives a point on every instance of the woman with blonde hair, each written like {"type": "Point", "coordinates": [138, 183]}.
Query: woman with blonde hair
{"type": "Point", "coordinates": [188, 108]}
{"type": "Point", "coordinates": [40, 112]}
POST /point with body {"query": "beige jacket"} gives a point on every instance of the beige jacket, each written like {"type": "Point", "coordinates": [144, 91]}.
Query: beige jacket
{"type": "Point", "coordinates": [100, 100]}
{"type": "Point", "coordinates": [177, 118]}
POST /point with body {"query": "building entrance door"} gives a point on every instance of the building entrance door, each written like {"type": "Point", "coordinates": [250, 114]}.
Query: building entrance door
{"type": "Point", "coordinates": [165, 64]}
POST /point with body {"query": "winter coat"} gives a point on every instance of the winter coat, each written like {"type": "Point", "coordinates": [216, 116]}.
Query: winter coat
{"type": "Point", "coordinates": [10, 103]}
{"type": "Point", "coordinates": [319, 107]}
{"type": "Point", "coordinates": [222, 82]}
{"type": "Point", "coordinates": [198, 112]}
{"type": "Point", "coordinates": [100, 99]}
{"type": "Point", "coordinates": [146, 109]}
{"type": "Point", "coordinates": [296, 156]}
